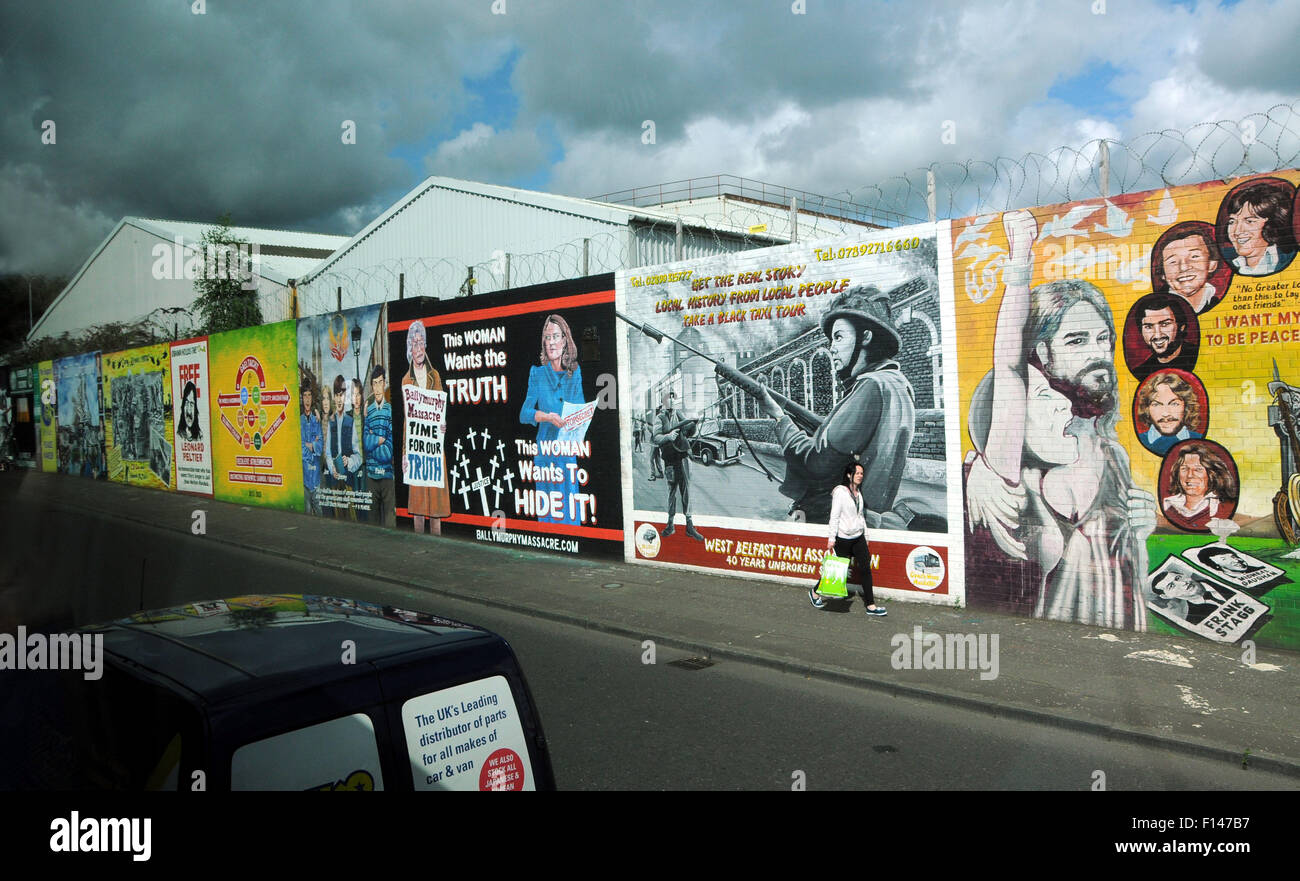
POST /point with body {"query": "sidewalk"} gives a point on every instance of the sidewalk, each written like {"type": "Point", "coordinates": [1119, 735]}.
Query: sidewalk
{"type": "Point", "coordinates": [1181, 693]}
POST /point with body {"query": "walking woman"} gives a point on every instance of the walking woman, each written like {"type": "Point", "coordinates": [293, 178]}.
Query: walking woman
{"type": "Point", "coordinates": [848, 535]}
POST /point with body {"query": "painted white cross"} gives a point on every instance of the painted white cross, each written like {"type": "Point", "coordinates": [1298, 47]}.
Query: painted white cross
{"type": "Point", "coordinates": [480, 484]}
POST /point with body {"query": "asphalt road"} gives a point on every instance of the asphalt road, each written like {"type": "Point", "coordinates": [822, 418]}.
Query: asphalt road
{"type": "Point", "coordinates": [614, 721]}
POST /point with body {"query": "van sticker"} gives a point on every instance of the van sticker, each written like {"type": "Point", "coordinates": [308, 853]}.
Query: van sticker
{"type": "Point", "coordinates": [467, 738]}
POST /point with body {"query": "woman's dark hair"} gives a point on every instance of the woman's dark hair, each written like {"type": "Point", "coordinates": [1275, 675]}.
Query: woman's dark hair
{"type": "Point", "coordinates": [849, 470]}
{"type": "Point", "coordinates": [191, 392]}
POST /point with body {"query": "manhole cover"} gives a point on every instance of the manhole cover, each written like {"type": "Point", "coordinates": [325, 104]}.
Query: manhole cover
{"type": "Point", "coordinates": [612, 585]}
{"type": "Point", "coordinates": [691, 663]}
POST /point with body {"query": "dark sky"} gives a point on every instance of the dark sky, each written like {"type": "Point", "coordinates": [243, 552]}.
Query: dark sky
{"type": "Point", "coordinates": [161, 112]}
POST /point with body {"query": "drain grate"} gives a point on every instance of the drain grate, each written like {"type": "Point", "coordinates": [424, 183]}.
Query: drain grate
{"type": "Point", "coordinates": [691, 663]}
{"type": "Point", "coordinates": [885, 748]}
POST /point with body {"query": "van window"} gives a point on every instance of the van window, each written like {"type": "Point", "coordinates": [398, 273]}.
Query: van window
{"type": "Point", "coordinates": [341, 754]}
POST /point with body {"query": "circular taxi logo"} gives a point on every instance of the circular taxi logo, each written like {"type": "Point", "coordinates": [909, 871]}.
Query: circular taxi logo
{"type": "Point", "coordinates": [243, 396]}
{"type": "Point", "coordinates": [239, 418]}
{"type": "Point", "coordinates": [257, 394]}
{"type": "Point", "coordinates": [647, 541]}
{"type": "Point", "coordinates": [248, 441]}
{"type": "Point", "coordinates": [257, 441]}
{"type": "Point", "coordinates": [261, 419]}
{"type": "Point", "coordinates": [925, 568]}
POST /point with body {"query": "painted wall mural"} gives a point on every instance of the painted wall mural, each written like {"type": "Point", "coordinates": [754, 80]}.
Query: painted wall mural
{"type": "Point", "coordinates": [254, 411]}
{"type": "Point", "coordinates": [505, 418]}
{"type": "Point", "coordinates": [1130, 380]}
{"type": "Point", "coordinates": [347, 447]}
{"type": "Point", "coordinates": [79, 430]}
{"type": "Point", "coordinates": [752, 379]}
{"type": "Point", "coordinates": [193, 417]}
{"type": "Point", "coordinates": [47, 424]}
{"type": "Point", "coordinates": [140, 438]}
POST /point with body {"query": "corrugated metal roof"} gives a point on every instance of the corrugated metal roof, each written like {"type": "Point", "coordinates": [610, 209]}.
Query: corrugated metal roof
{"type": "Point", "coordinates": [600, 212]}
{"type": "Point", "coordinates": [282, 238]}
{"type": "Point", "coordinates": [278, 268]}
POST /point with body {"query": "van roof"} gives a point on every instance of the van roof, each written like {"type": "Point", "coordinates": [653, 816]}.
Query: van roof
{"type": "Point", "coordinates": [215, 647]}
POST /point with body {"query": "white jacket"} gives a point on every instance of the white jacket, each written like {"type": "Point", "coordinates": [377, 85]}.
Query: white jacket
{"type": "Point", "coordinates": [846, 514]}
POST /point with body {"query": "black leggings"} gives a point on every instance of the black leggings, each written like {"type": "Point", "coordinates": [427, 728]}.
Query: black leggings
{"type": "Point", "coordinates": [857, 550]}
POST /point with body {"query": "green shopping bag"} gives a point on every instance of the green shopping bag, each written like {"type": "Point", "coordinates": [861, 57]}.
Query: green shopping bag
{"type": "Point", "coordinates": [835, 572]}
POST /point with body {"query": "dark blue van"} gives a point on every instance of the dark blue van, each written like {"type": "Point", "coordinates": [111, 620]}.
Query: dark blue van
{"type": "Point", "coordinates": [276, 692]}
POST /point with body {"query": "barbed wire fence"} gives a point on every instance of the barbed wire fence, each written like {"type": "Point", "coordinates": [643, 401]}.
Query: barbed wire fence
{"type": "Point", "coordinates": [1257, 143]}
{"type": "Point", "coordinates": [694, 218]}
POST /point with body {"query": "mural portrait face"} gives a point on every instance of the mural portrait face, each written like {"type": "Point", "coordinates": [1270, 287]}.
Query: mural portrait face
{"type": "Point", "coordinates": [1226, 559]}
{"type": "Point", "coordinates": [1166, 410]}
{"type": "Point", "coordinates": [553, 342]}
{"type": "Point", "coordinates": [843, 344]}
{"type": "Point", "coordinates": [1193, 475]}
{"type": "Point", "coordinates": [1047, 420]}
{"type": "Point", "coordinates": [1161, 331]}
{"type": "Point", "coordinates": [417, 348]}
{"type": "Point", "coordinates": [1188, 265]}
{"type": "Point", "coordinates": [1198, 483]}
{"type": "Point", "coordinates": [1175, 585]}
{"type": "Point", "coordinates": [1169, 402]}
{"type": "Point", "coordinates": [190, 407]}
{"type": "Point", "coordinates": [1081, 352]}
{"type": "Point", "coordinates": [1246, 232]}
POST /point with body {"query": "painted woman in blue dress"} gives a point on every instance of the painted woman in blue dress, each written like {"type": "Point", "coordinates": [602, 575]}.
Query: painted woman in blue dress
{"type": "Point", "coordinates": [556, 378]}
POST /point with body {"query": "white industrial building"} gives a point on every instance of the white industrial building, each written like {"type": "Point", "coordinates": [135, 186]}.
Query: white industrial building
{"type": "Point", "coordinates": [449, 237]}
{"type": "Point", "coordinates": [757, 208]}
{"type": "Point", "coordinates": [138, 272]}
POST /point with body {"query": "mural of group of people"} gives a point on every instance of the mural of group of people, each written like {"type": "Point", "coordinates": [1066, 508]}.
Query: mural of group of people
{"type": "Point", "coordinates": [346, 416]}
{"type": "Point", "coordinates": [1064, 524]}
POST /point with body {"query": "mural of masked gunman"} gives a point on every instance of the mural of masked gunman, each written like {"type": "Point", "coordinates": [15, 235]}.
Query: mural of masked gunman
{"type": "Point", "coordinates": [873, 423]}
{"type": "Point", "coordinates": [670, 438]}
{"type": "Point", "coordinates": [1051, 482]}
